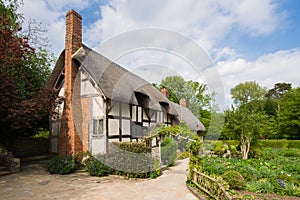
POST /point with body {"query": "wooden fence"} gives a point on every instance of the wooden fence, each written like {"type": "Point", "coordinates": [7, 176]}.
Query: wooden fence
{"type": "Point", "coordinates": [210, 186]}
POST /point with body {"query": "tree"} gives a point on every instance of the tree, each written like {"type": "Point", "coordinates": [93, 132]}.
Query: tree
{"type": "Point", "coordinates": [198, 100]}
{"type": "Point", "coordinates": [196, 95]}
{"type": "Point", "coordinates": [247, 121]}
{"type": "Point", "coordinates": [277, 92]}
{"type": "Point", "coordinates": [246, 92]}
{"type": "Point", "coordinates": [246, 124]}
{"type": "Point", "coordinates": [290, 114]}
{"type": "Point", "coordinates": [23, 73]}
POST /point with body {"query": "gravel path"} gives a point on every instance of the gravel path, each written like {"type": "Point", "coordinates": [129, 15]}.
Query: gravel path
{"type": "Point", "coordinates": [35, 183]}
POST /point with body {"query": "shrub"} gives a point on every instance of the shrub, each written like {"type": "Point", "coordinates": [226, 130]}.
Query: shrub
{"type": "Point", "coordinates": [183, 155]}
{"type": "Point", "coordinates": [96, 166]}
{"type": "Point", "coordinates": [287, 178]}
{"type": "Point", "coordinates": [168, 151]}
{"type": "Point", "coordinates": [248, 172]}
{"type": "Point", "coordinates": [292, 190]}
{"type": "Point", "coordinates": [294, 144]}
{"type": "Point", "coordinates": [156, 169]}
{"type": "Point", "coordinates": [252, 186]}
{"type": "Point", "coordinates": [131, 159]}
{"type": "Point", "coordinates": [264, 186]}
{"type": "Point", "coordinates": [63, 164]}
{"type": "Point", "coordinates": [235, 180]}
{"type": "Point", "coordinates": [234, 152]}
{"type": "Point", "coordinates": [280, 143]}
{"type": "Point", "coordinates": [194, 147]}
{"type": "Point", "coordinates": [265, 172]}
{"type": "Point", "coordinates": [219, 148]}
{"type": "Point", "coordinates": [255, 150]}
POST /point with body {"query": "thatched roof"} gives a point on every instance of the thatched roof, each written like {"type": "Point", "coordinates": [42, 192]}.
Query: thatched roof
{"type": "Point", "coordinates": [119, 84]}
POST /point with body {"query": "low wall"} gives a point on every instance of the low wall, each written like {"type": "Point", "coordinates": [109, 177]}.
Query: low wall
{"type": "Point", "coordinates": [27, 146]}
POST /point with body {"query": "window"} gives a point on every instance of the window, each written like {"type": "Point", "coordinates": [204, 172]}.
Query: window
{"type": "Point", "coordinates": [98, 126]}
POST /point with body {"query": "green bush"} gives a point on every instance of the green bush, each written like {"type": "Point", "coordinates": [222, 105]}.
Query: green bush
{"type": "Point", "coordinates": [156, 168]}
{"type": "Point", "coordinates": [168, 151]}
{"type": "Point", "coordinates": [235, 180]}
{"type": "Point", "coordinates": [261, 186]}
{"type": "Point", "coordinates": [219, 148]}
{"type": "Point", "coordinates": [131, 159]}
{"type": "Point", "coordinates": [287, 178]}
{"type": "Point", "coordinates": [63, 164]}
{"type": "Point", "coordinates": [264, 186]}
{"type": "Point", "coordinates": [294, 144]}
{"type": "Point", "coordinates": [96, 166]}
{"type": "Point", "coordinates": [265, 172]}
{"type": "Point", "coordinates": [280, 143]}
{"type": "Point", "coordinates": [255, 150]}
{"type": "Point", "coordinates": [292, 190]}
{"type": "Point", "coordinates": [183, 155]}
{"type": "Point", "coordinates": [248, 172]}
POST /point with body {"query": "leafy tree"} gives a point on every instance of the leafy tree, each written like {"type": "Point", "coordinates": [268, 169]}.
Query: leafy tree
{"type": "Point", "coordinates": [277, 92]}
{"type": "Point", "coordinates": [23, 73]}
{"type": "Point", "coordinates": [290, 114]}
{"type": "Point", "coordinates": [195, 93]}
{"type": "Point", "coordinates": [246, 124]}
{"type": "Point", "coordinates": [198, 100]}
{"type": "Point", "coordinates": [248, 121]}
{"type": "Point", "coordinates": [246, 92]}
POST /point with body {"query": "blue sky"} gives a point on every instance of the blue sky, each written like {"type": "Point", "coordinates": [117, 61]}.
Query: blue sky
{"type": "Point", "coordinates": [246, 40]}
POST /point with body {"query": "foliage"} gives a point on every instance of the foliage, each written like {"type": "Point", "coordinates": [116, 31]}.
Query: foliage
{"type": "Point", "coordinates": [276, 170]}
{"type": "Point", "coordinates": [280, 143]}
{"type": "Point", "coordinates": [194, 147]}
{"type": "Point", "coordinates": [247, 124]}
{"type": "Point", "coordinates": [156, 168]}
{"type": "Point", "coordinates": [290, 114]}
{"type": "Point", "coordinates": [168, 151]}
{"type": "Point", "coordinates": [63, 164]}
{"type": "Point", "coordinates": [23, 73]}
{"type": "Point", "coordinates": [131, 159]}
{"type": "Point", "coordinates": [42, 133]}
{"type": "Point", "coordinates": [219, 148]}
{"type": "Point", "coordinates": [235, 180]}
{"type": "Point", "coordinates": [246, 92]}
{"type": "Point", "coordinates": [195, 93]}
{"type": "Point", "coordinates": [255, 150]}
{"type": "Point", "coordinates": [197, 97]}
{"type": "Point", "coordinates": [183, 155]}
{"type": "Point", "coordinates": [96, 165]}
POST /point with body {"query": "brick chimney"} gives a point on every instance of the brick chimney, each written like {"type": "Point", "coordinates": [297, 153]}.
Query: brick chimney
{"type": "Point", "coordinates": [70, 142]}
{"type": "Point", "coordinates": [182, 102]}
{"type": "Point", "coordinates": [164, 91]}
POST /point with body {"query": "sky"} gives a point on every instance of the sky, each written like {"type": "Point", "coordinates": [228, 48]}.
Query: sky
{"type": "Point", "coordinates": [217, 42]}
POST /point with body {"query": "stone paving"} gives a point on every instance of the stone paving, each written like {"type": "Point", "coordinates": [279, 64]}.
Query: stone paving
{"type": "Point", "coordinates": [36, 183]}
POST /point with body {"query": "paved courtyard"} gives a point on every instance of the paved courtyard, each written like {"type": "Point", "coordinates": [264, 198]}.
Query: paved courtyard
{"type": "Point", "coordinates": [34, 182]}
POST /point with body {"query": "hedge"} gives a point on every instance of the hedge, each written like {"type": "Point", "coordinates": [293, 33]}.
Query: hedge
{"type": "Point", "coordinates": [280, 143]}
{"type": "Point", "coordinates": [266, 143]}
{"type": "Point", "coordinates": [132, 159]}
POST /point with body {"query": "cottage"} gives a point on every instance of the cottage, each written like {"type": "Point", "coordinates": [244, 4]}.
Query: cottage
{"type": "Point", "coordinates": [102, 102]}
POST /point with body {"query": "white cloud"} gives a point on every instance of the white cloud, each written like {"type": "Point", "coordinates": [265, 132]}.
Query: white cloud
{"type": "Point", "coordinates": [281, 66]}
{"type": "Point", "coordinates": [52, 15]}
{"type": "Point", "coordinates": [206, 22]}
{"type": "Point", "coordinates": [255, 16]}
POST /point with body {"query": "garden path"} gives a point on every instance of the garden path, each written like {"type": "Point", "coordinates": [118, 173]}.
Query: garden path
{"type": "Point", "coordinates": [35, 183]}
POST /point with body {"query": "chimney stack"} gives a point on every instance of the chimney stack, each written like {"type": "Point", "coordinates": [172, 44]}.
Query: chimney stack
{"type": "Point", "coordinates": [69, 140]}
{"type": "Point", "coordinates": [164, 91]}
{"type": "Point", "coordinates": [182, 102]}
